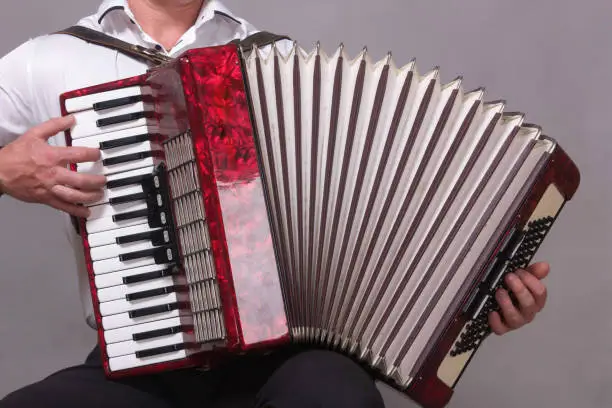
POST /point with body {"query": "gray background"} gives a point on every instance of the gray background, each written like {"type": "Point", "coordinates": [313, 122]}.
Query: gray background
{"type": "Point", "coordinates": [549, 58]}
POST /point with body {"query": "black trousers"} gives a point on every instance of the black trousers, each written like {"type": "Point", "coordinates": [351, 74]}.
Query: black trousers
{"type": "Point", "coordinates": [288, 378]}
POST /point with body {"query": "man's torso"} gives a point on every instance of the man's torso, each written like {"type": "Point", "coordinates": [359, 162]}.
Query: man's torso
{"type": "Point", "coordinates": [59, 63]}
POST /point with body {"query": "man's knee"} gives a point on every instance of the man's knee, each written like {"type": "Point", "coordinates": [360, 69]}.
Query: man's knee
{"type": "Point", "coordinates": [79, 388]}
{"type": "Point", "coordinates": [320, 379]}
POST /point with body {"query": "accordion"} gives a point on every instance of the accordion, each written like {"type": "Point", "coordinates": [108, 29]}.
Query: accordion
{"type": "Point", "coordinates": [257, 199]}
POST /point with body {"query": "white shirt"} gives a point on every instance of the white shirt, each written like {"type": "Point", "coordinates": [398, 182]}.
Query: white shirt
{"type": "Point", "coordinates": [34, 74]}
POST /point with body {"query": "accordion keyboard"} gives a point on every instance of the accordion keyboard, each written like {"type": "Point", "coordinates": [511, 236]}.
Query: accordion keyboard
{"type": "Point", "coordinates": [133, 246]}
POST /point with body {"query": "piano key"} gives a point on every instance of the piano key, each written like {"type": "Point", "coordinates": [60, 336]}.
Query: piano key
{"type": "Point", "coordinates": [152, 334]}
{"type": "Point", "coordinates": [121, 118]}
{"type": "Point", "coordinates": [123, 159]}
{"type": "Point", "coordinates": [90, 122]}
{"type": "Point", "coordinates": [135, 275]}
{"type": "Point", "coordinates": [124, 319]}
{"type": "Point", "coordinates": [155, 292]}
{"type": "Point", "coordinates": [161, 350]}
{"type": "Point", "coordinates": [159, 255]}
{"type": "Point", "coordinates": [114, 103]}
{"type": "Point", "coordinates": [149, 347]}
{"type": "Point", "coordinates": [143, 307]}
{"type": "Point", "coordinates": [108, 210]}
{"type": "Point", "coordinates": [120, 138]}
{"type": "Point", "coordinates": [147, 330]}
{"type": "Point", "coordinates": [116, 250]}
{"type": "Point", "coordinates": [161, 252]}
{"type": "Point", "coordinates": [124, 291]}
{"type": "Point", "coordinates": [123, 184]}
{"type": "Point", "coordinates": [121, 220]}
{"type": "Point", "coordinates": [86, 102]}
{"type": "Point", "coordinates": [131, 361]}
{"type": "Point", "coordinates": [112, 236]}
{"type": "Point", "coordinates": [158, 236]}
{"type": "Point", "coordinates": [136, 180]}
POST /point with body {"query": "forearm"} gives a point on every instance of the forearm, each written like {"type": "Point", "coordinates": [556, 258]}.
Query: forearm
{"type": "Point", "coordinates": [1, 181]}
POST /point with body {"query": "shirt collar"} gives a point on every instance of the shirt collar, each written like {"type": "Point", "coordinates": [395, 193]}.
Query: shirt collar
{"type": "Point", "coordinates": [210, 10]}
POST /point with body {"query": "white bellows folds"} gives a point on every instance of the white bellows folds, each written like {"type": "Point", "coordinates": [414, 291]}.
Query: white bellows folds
{"type": "Point", "coordinates": [384, 186]}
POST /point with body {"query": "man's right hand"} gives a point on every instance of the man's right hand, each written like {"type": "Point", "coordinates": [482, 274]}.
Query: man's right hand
{"type": "Point", "coordinates": [33, 171]}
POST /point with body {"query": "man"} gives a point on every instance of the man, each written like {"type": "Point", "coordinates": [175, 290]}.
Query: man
{"type": "Point", "coordinates": [32, 169]}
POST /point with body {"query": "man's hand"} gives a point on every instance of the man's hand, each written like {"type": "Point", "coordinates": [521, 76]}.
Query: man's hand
{"type": "Point", "coordinates": [33, 171]}
{"type": "Point", "coordinates": [530, 292]}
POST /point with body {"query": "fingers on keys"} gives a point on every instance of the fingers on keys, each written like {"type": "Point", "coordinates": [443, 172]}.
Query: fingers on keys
{"type": "Point", "coordinates": [74, 154]}
{"type": "Point", "coordinates": [81, 181]}
{"type": "Point", "coordinates": [530, 293]}
{"type": "Point", "coordinates": [75, 196]}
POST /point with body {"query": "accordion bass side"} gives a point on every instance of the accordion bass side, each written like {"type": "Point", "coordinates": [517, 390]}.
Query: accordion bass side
{"type": "Point", "coordinates": [261, 199]}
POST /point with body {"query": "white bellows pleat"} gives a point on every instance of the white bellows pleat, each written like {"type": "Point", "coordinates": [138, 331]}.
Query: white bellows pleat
{"type": "Point", "coordinates": [384, 187]}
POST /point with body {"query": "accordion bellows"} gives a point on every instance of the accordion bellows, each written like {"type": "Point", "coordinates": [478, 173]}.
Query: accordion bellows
{"type": "Point", "coordinates": [317, 199]}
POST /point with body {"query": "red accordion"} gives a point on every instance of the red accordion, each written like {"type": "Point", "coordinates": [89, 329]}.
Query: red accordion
{"type": "Point", "coordinates": [265, 198]}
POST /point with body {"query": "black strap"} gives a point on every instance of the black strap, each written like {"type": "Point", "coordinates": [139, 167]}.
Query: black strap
{"type": "Point", "coordinates": [154, 57]}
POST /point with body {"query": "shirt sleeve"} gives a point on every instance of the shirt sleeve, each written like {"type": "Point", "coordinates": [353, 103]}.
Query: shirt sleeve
{"type": "Point", "coordinates": [16, 94]}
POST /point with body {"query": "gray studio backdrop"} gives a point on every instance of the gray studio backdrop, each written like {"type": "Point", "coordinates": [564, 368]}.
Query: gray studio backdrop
{"type": "Point", "coordinates": [550, 58]}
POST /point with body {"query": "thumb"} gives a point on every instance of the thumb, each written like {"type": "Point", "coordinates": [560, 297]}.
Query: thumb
{"type": "Point", "coordinates": [52, 127]}
{"type": "Point", "coordinates": [539, 269]}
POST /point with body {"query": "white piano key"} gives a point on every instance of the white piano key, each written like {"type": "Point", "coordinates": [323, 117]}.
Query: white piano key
{"type": "Point", "coordinates": [114, 264]}
{"type": "Point", "coordinates": [131, 361]}
{"type": "Point", "coordinates": [130, 347]}
{"type": "Point", "coordinates": [121, 291]}
{"type": "Point", "coordinates": [107, 224]}
{"type": "Point", "coordinates": [86, 121]}
{"type": "Point", "coordinates": [109, 237]}
{"type": "Point", "coordinates": [108, 210]}
{"type": "Point", "coordinates": [116, 278]}
{"type": "Point", "coordinates": [124, 320]}
{"type": "Point", "coordinates": [126, 333]}
{"type": "Point", "coordinates": [123, 306]}
{"type": "Point", "coordinates": [100, 168]}
{"type": "Point", "coordinates": [87, 101]}
{"type": "Point", "coordinates": [114, 250]}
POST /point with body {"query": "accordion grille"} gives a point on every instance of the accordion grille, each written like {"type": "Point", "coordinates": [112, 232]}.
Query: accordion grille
{"type": "Point", "coordinates": [194, 240]}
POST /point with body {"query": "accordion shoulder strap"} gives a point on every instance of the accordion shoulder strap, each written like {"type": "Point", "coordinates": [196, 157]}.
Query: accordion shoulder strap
{"type": "Point", "coordinates": [96, 37]}
{"type": "Point", "coordinates": [259, 39]}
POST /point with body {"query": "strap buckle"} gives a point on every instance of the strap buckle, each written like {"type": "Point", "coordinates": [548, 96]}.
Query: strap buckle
{"type": "Point", "coordinates": [151, 54]}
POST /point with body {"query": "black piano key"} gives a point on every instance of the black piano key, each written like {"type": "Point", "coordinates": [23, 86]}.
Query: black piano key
{"type": "Point", "coordinates": [160, 255]}
{"type": "Point", "coordinates": [144, 294]}
{"type": "Point", "coordinates": [126, 141]}
{"type": "Point", "coordinates": [127, 158]}
{"type": "Point", "coordinates": [157, 237]}
{"type": "Point", "coordinates": [115, 103]}
{"type": "Point", "coordinates": [168, 331]}
{"type": "Point", "coordinates": [148, 276]}
{"type": "Point", "coordinates": [145, 253]}
{"type": "Point", "coordinates": [161, 350]}
{"type": "Point", "coordinates": [127, 198]}
{"type": "Point", "coordinates": [129, 181]}
{"type": "Point", "coordinates": [152, 310]}
{"type": "Point", "coordinates": [130, 215]}
{"type": "Point", "coordinates": [114, 120]}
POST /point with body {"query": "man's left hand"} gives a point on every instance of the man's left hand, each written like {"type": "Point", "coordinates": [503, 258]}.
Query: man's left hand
{"type": "Point", "coordinates": [528, 289]}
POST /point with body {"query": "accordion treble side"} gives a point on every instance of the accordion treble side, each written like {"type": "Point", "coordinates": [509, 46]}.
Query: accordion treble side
{"type": "Point", "coordinates": [262, 199]}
